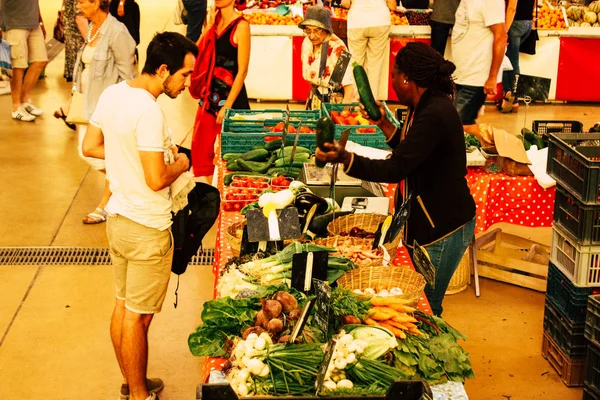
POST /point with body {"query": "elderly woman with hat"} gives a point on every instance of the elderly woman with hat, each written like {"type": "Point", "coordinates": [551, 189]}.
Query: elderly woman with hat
{"type": "Point", "coordinates": [321, 50]}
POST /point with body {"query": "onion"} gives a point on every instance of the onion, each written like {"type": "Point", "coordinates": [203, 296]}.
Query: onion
{"type": "Point", "coordinates": [255, 366]}
{"type": "Point", "coordinates": [345, 384]}
{"type": "Point", "coordinates": [340, 363]}
{"type": "Point", "coordinates": [243, 389]}
{"type": "Point", "coordinates": [350, 358]}
{"type": "Point", "coordinates": [260, 343]}
{"type": "Point", "coordinates": [330, 385]}
{"type": "Point", "coordinates": [264, 372]}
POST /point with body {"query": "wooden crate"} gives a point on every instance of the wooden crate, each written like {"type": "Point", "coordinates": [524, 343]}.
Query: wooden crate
{"type": "Point", "coordinates": [512, 259]}
{"type": "Point", "coordinates": [570, 370]}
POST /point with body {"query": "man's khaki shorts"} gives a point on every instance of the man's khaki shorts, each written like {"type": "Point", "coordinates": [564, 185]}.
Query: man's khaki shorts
{"type": "Point", "coordinates": [26, 46]}
{"type": "Point", "coordinates": [141, 258]}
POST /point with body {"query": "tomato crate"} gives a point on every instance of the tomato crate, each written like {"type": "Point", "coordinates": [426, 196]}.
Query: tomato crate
{"type": "Point", "coordinates": [570, 300]}
{"type": "Point", "coordinates": [579, 263]}
{"type": "Point", "coordinates": [570, 370]}
{"type": "Point", "coordinates": [592, 321]}
{"type": "Point", "coordinates": [574, 162]}
{"type": "Point", "coordinates": [547, 127]}
{"type": "Point", "coordinates": [570, 337]}
{"type": "Point", "coordinates": [255, 121]}
{"type": "Point", "coordinates": [358, 135]}
{"type": "Point", "coordinates": [575, 218]}
{"type": "Point", "coordinates": [592, 368]}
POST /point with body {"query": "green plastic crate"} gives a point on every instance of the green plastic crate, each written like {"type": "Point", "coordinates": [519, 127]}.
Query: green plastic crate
{"type": "Point", "coordinates": [253, 123]}
{"type": "Point", "coordinates": [243, 142]}
{"type": "Point", "coordinates": [376, 140]}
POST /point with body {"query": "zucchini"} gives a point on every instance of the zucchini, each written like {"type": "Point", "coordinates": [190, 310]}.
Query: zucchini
{"type": "Point", "coordinates": [325, 134]}
{"type": "Point", "coordinates": [276, 144]}
{"type": "Point", "coordinates": [365, 92]}
{"type": "Point", "coordinates": [298, 159]}
{"type": "Point", "coordinates": [253, 166]}
{"type": "Point", "coordinates": [255, 155]}
{"type": "Point", "coordinates": [287, 151]}
{"type": "Point", "coordinates": [231, 156]}
{"type": "Point", "coordinates": [228, 178]}
{"type": "Point", "coordinates": [258, 146]}
{"type": "Point", "coordinates": [234, 166]}
{"type": "Point", "coordinates": [295, 172]}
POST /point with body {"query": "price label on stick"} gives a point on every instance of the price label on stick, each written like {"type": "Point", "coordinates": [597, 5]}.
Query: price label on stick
{"type": "Point", "coordinates": [325, 364]}
{"type": "Point", "coordinates": [301, 321]}
{"type": "Point", "coordinates": [276, 225]}
{"type": "Point", "coordinates": [307, 266]}
{"type": "Point", "coordinates": [423, 264]}
{"type": "Point", "coordinates": [323, 305]}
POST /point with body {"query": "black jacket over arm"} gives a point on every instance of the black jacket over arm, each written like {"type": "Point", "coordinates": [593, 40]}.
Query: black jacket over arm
{"type": "Point", "coordinates": [432, 158]}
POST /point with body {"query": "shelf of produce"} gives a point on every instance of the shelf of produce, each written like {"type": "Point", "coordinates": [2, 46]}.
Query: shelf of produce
{"type": "Point", "coordinates": [516, 200]}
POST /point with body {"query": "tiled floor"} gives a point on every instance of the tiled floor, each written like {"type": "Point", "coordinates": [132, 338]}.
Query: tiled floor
{"type": "Point", "coordinates": [54, 341]}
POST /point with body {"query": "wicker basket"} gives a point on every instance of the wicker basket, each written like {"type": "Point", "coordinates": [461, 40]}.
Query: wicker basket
{"type": "Point", "coordinates": [335, 241]}
{"type": "Point", "coordinates": [367, 221]}
{"type": "Point", "coordinates": [461, 276]}
{"type": "Point", "coordinates": [234, 241]}
{"type": "Point", "coordinates": [379, 278]}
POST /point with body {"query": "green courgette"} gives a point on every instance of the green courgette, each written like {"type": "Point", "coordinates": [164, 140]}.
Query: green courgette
{"type": "Point", "coordinates": [255, 155]}
{"type": "Point", "coordinates": [298, 159]}
{"type": "Point", "coordinates": [253, 166]}
{"type": "Point", "coordinates": [233, 166]}
{"type": "Point", "coordinates": [258, 146]}
{"type": "Point", "coordinates": [276, 144]}
{"type": "Point", "coordinates": [231, 156]}
{"type": "Point", "coordinates": [365, 92]}
{"type": "Point", "coordinates": [325, 134]}
{"type": "Point", "coordinates": [287, 151]}
{"type": "Point", "coordinates": [294, 172]}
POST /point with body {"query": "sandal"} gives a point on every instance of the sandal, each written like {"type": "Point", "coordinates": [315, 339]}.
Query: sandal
{"type": "Point", "coordinates": [95, 217]}
{"type": "Point", "coordinates": [61, 115]}
{"type": "Point", "coordinates": [507, 103]}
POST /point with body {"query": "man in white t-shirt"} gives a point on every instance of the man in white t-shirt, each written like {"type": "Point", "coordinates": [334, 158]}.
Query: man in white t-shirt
{"type": "Point", "coordinates": [128, 130]}
{"type": "Point", "coordinates": [478, 46]}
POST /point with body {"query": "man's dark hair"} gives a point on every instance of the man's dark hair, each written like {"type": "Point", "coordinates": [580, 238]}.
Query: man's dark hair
{"type": "Point", "coordinates": [169, 48]}
{"type": "Point", "coordinates": [426, 67]}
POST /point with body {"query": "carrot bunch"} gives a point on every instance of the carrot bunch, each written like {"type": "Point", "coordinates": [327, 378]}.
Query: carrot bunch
{"type": "Point", "coordinates": [392, 313]}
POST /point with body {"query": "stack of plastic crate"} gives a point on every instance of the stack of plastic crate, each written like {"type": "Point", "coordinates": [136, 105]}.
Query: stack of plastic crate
{"type": "Point", "coordinates": [574, 272]}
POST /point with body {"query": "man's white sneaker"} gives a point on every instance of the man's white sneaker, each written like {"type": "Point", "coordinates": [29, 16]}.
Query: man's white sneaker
{"type": "Point", "coordinates": [22, 115]}
{"type": "Point", "coordinates": [33, 110]}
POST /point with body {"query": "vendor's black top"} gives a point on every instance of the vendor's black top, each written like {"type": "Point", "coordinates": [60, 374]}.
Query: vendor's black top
{"type": "Point", "coordinates": [524, 10]}
{"type": "Point", "coordinates": [432, 158]}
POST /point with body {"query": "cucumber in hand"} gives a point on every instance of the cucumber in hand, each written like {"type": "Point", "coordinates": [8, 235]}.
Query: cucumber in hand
{"type": "Point", "coordinates": [365, 93]}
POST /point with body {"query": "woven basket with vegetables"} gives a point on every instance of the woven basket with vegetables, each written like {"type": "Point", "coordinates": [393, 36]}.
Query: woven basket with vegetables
{"type": "Point", "coordinates": [362, 225]}
{"type": "Point", "coordinates": [380, 278]}
{"type": "Point", "coordinates": [234, 236]}
{"type": "Point", "coordinates": [358, 250]}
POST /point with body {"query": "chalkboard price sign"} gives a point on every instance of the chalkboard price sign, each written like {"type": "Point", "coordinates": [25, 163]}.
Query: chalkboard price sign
{"type": "Point", "coordinates": [323, 305]}
{"type": "Point", "coordinates": [423, 264]}
{"type": "Point", "coordinates": [325, 364]}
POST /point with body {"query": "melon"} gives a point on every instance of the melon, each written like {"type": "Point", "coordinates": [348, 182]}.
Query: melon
{"type": "Point", "coordinates": [596, 25]}
{"type": "Point", "coordinates": [585, 25]}
{"type": "Point", "coordinates": [575, 13]}
{"type": "Point", "coordinates": [594, 7]}
{"type": "Point", "coordinates": [590, 17]}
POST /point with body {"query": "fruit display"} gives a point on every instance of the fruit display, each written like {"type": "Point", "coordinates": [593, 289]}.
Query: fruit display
{"type": "Point", "coordinates": [585, 17]}
{"type": "Point", "coordinates": [271, 18]}
{"type": "Point", "coordinates": [347, 117]}
{"type": "Point", "coordinates": [359, 233]}
{"type": "Point", "coordinates": [550, 18]}
{"type": "Point", "coordinates": [398, 18]}
{"type": "Point", "coordinates": [291, 129]}
{"type": "Point", "coordinates": [418, 17]}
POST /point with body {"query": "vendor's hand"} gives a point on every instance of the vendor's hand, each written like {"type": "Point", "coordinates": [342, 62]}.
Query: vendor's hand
{"type": "Point", "coordinates": [336, 153]}
{"type": "Point", "coordinates": [490, 87]}
{"type": "Point", "coordinates": [221, 115]}
{"type": "Point", "coordinates": [366, 115]}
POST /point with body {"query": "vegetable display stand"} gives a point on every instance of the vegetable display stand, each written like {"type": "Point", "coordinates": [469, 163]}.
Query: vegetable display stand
{"type": "Point", "coordinates": [570, 371]}
{"type": "Point", "coordinates": [581, 221]}
{"type": "Point", "coordinates": [365, 135]}
{"type": "Point", "coordinates": [581, 264]}
{"type": "Point", "coordinates": [400, 390]}
{"type": "Point", "coordinates": [569, 337]}
{"type": "Point", "coordinates": [574, 162]}
{"type": "Point", "coordinates": [570, 300]}
{"type": "Point", "coordinates": [504, 257]}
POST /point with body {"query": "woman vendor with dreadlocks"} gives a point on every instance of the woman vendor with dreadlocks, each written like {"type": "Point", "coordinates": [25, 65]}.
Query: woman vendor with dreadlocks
{"type": "Point", "coordinates": [429, 152]}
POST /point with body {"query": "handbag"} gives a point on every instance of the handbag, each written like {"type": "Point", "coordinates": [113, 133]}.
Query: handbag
{"type": "Point", "coordinates": [528, 45]}
{"type": "Point", "coordinates": [76, 113]}
{"type": "Point", "coordinates": [59, 28]}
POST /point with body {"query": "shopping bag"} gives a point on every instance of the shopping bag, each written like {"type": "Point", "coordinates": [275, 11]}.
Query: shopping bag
{"type": "Point", "coordinates": [76, 113]}
{"type": "Point", "coordinates": [59, 28]}
{"type": "Point", "coordinates": [5, 63]}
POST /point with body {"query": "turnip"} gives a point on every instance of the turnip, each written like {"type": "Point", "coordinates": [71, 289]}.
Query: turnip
{"type": "Point", "coordinates": [288, 302]}
{"type": "Point", "coordinates": [261, 319]}
{"type": "Point", "coordinates": [294, 315]}
{"type": "Point", "coordinates": [275, 326]}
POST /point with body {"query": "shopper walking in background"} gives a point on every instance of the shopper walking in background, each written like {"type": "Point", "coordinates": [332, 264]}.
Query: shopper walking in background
{"type": "Point", "coordinates": [26, 34]}
{"type": "Point", "coordinates": [73, 37]}
{"type": "Point", "coordinates": [478, 46]}
{"type": "Point", "coordinates": [106, 58]}
{"type": "Point", "coordinates": [369, 24]}
{"type": "Point", "coordinates": [442, 21]}
{"type": "Point", "coordinates": [196, 15]}
{"type": "Point", "coordinates": [430, 155]}
{"type": "Point", "coordinates": [129, 131]}
{"type": "Point", "coordinates": [518, 25]}
{"type": "Point", "coordinates": [225, 87]}
{"type": "Point", "coordinates": [128, 13]}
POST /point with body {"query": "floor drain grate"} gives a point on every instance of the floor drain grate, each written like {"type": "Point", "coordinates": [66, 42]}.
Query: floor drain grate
{"type": "Point", "coordinates": [48, 256]}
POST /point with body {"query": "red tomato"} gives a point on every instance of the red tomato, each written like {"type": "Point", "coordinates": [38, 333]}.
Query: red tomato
{"type": "Point", "coordinates": [334, 114]}
{"type": "Point", "coordinates": [291, 129]}
{"type": "Point", "coordinates": [227, 206]}
{"type": "Point", "coordinates": [271, 138]}
{"type": "Point", "coordinates": [345, 113]}
{"type": "Point", "coordinates": [352, 121]}
{"type": "Point", "coordinates": [261, 180]}
{"type": "Point", "coordinates": [237, 206]}
{"type": "Point", "coordinates": [285, 183]}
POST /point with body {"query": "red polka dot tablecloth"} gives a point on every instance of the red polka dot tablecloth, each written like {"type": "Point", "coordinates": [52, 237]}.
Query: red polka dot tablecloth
{"type": "Point", "coordinates": [516, 200]}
